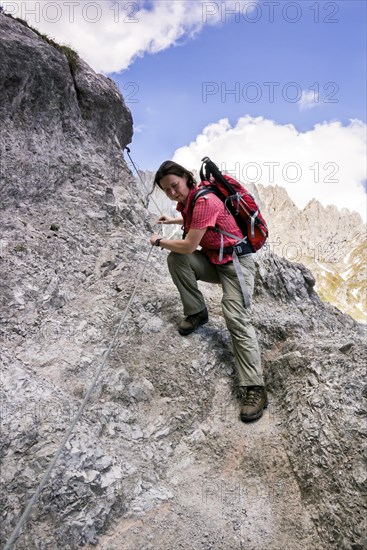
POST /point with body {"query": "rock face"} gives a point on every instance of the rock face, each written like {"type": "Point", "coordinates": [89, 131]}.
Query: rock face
{"type": "Point", "coordinates": [159, 458]}
{"type": "Point", "coordinates": [59, 122]}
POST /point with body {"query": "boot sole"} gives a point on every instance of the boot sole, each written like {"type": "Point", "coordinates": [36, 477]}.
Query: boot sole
{"type": "Point", "coordinates": [184, 332]}
{"type": "Point", "coordinates": [255, 416]}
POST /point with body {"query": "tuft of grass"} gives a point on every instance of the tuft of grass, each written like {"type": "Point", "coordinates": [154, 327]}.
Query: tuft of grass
{"type": "Point", "coordinates": [71, 55]}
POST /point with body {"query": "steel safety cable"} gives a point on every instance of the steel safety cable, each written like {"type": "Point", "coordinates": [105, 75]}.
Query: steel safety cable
{"type": "Point", "coordinates": [50, 467]}
{"type": "Point", "coordinates": [145, 187]}
{"type": "Point", "coordinates": [47, 474]}
{"type": "Point", "coordinates": [141, 179]}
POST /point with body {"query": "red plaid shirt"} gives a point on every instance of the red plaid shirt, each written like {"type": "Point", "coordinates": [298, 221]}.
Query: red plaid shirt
{"type": "Point", "coordinates": [209, 212]}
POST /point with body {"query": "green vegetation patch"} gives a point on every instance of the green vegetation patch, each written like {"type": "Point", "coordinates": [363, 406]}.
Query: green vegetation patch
{"type": "Point", "coordinates": [71, 55]}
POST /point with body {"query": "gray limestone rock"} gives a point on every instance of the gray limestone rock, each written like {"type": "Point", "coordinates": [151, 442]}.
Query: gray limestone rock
{"type": "Point", "coordinates": [159, 457]}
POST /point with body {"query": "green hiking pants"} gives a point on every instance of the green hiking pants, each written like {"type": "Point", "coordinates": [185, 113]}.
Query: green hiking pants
{"type": "Point", "coordinates": [187, 269]}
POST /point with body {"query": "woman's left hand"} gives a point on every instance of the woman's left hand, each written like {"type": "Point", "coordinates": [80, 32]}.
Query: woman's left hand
{"type": "Point", "coordinates": [153, 238]}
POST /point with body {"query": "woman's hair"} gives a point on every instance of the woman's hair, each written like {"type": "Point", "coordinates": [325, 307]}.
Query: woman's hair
{"type": "Point", "coordinates": [169, 167]}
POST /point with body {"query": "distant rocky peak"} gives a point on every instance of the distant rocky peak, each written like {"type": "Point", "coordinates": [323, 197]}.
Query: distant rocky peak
{"type": "Point", "coordinates": [275, 196]}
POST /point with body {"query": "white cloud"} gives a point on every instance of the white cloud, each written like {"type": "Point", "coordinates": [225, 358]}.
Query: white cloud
{"type": "Point", "coordinates": [327, 163]}
{"type": "Point", "coordinates": [139, 128]}
{"type": "Point", "coordinates": [109, 35]}
{"type": "Point", "coordinates": [309, 100]}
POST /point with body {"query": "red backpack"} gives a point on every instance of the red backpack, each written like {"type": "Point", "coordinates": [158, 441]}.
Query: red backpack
{"type": "Point", "coordinates": [238, 201]}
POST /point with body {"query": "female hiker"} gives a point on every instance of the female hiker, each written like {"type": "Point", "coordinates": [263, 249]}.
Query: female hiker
{"type": "Point", "coordinates": [187, 265]}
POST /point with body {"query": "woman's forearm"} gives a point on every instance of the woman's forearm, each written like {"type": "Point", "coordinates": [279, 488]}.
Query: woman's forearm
{"type": "Point", "coordinates": [179, 246]}
{"type": "Point", "coordinates": [167, 220]}
{"type": "Point", "coordinates": [185, 246]}
{"type": "Point", "coordinates": [178, 220]}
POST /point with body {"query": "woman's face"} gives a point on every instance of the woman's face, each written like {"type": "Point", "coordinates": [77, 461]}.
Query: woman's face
{"type": "Point", "coordinates": [175, 187]}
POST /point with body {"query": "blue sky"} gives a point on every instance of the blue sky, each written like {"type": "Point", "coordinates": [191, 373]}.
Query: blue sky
{"type": "Point", "coordinates": [175, 93]}
{"type": "Point", "coordinates": [297, 71]}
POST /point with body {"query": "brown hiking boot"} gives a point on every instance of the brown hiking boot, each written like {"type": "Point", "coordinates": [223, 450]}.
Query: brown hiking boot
{"type": "Point", "coordinates": [192, 322]}
{"type": "Point", "coordinates": [254, 401]}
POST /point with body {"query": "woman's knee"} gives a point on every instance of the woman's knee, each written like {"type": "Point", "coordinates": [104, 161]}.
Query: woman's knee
{"type": "Point", "coordinates": [236, 316]}
{"type": "Point", "coordinates": [176, 261]}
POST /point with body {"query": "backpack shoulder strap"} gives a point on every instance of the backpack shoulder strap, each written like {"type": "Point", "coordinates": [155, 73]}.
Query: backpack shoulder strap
{"type": "Point", "coordinates": [201, 192]}
{"type": "Point", "coordinates": [204, 190]}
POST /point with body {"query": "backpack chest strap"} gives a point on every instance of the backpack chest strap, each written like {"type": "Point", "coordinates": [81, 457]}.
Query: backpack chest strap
{"type": "Point", "coordinates": [230, 250]}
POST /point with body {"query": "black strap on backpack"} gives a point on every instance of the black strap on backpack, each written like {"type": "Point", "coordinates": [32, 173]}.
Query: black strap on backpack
{"type": "Point", "coordinates": [208, 169]}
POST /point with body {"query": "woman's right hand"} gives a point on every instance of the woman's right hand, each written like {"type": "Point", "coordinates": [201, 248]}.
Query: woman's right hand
{"type": "Point", "coordinates": [166, 219]}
